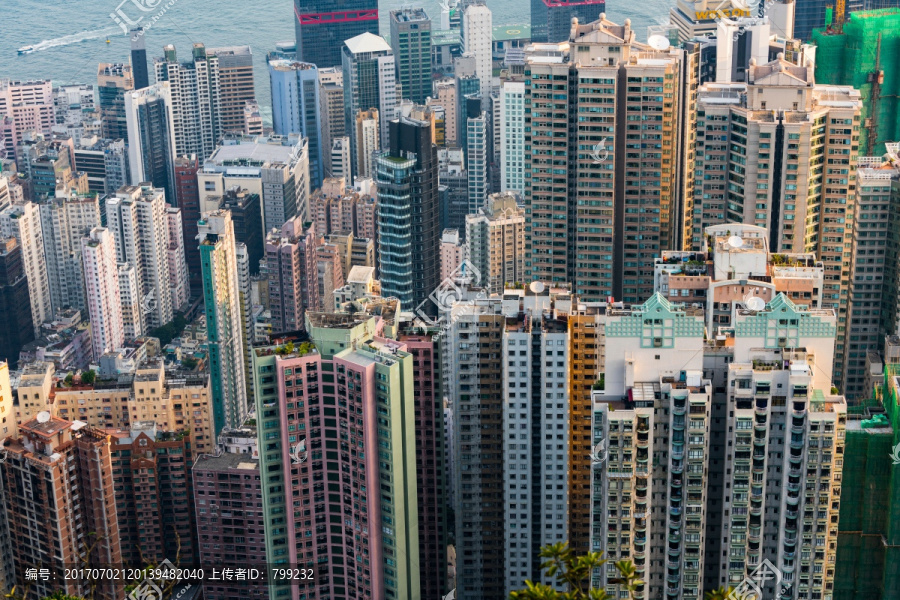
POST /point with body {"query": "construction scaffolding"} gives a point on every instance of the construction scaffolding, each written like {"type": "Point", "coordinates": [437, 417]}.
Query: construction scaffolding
{"type": "Point", "coordinates": [868, 556]}
{"type": "Point", "coordinates": [864, 52]}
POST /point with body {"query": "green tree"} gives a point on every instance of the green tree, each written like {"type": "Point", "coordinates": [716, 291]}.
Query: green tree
{"type": "Point", "coordinates": [573, 573]}
{"type": "Point", "coordinates": [69, 379]}
{"type": "Point", "coordinates": [720, 594]}
{"type": "Point", "coordinates": [88, 377]}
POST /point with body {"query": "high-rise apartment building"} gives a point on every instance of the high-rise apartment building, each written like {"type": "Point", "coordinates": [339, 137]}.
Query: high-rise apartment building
{"type": "Point", "coordinates": [625, 206]}
{"type": "Point", "coordinates": [187, 198]}
{"type": "Point", "coordinates": [132, 301]}
{"type": "Point", "coordinates": [339, 166]}
{"type": "Point", "coordinates": [378, 452]}
{"type": "Point", "coordinates": [23, 222]}
{"type": "Point", "coordinates": [246, 216]}
{"type": "Point", "coordinates": [446, 94]}
{"type": "Point", "coordinates": [65, 221]}
{"type": "Point", "coordinates": [411, 43]}
{"type": "Point", "coordinates": [138, 221]}
{"type": "Point", "coordinates": [476, 152]}
{"type": "Point", "coordinates": [336, 208]}
{"type": "Point", "coordinates": [370, 81]}
{"type": "Point", "coordinates": [296, 108]}
{"type": "Point", "coordinates": [113, 82]}
{"type": "Point", "coordinates": [275, 167]}
{"type": "Point", "coordinates": [17, 329]}
{"type": "Point", "coordinates": [151, 137]}
{"type": "Point", "coordinates": [105, 162]}
{"type": "Point", "coordinates": [195, 99]}
{"type": "Point", "coordinates": [322, 27]}
{"type": "Point", "coordinates": [512, 136]}
{"type": "Point", "coordinates": [453, 251]}
{"type": "Point", "coordinates": [803, 181]}
{"type": "Point", "coordinates": [235, 85]}
{"type": "Point", "coordinates": [222, 302]}
{"type": "Point", "coordinates": [477, 38]}
{"type": "Point", "coordinates": [179, 282]}
{"type": "Point", "coordinates": [331, 111]}
{"type": "Point", "coordinates": [234, 476]}
{"type": "Point", "coordinates": [551, 20]}
{"type": "Point", "coordinates": [101, 282]}
{"type": "Point", "coordinates": [368, 142]}
{"type": "Point", "coordinates": [495, 242]}
{"type": "Point", "coordinates": [291, 264]}
{"type": "Point", "coordinates": [49, 524]}
{"type": "Point", "coordinates": [408, 211]}
{"type": "Point", "coordinates": [24, 106]}
{"type": "Point", "coordinates": [155, 512]}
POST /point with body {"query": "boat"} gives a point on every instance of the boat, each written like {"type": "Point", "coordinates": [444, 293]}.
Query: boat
{"type": "Point", "coordinates": [26, 50]}
{"type": "Point", "coordinates": [107, 40]}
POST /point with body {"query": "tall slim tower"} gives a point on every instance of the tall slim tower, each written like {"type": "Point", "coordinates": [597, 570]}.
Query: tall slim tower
{"type": "Point", "coordinates": [411, 42]}
{"type": "Point", "coordinates": [23, 222]}
{"type": "Point", "coordinates": [322, 26]}
{"type": "Point", "coordinates": [101, 278]}
{"type": "Point", "coordinates": [139, 59]}
{"type": "Point", "coordinates": [17, 329]}
{"type": "Point", "coordinates": [476, 147]}
{"type": "Point", "coordinates": [151, 135]}
{"type": "Point", "coordinates": [113, 82]}
{"type": "Point", "coordinates": [221, 295]}
{"type": "Point", "coordinates": [369, 82]}
{"type": "Point", "coordinates": [296, 108]}
{"type": "Point", "coordinates": [293, 274]}
{"type": "Point", "coordinates": [235, 86]}
{"type": "Point", "coordinates": [195, 100]}
{"type": "Point", "coordinates": [367, 142]}
{"type": "Point", "coordinates": [408, 210]}
{"type": "Point", "coordinates": [477, 38]}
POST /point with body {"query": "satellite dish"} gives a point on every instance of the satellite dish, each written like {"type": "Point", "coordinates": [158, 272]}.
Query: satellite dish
{"type": "Point", "coordinates": [755, 303]}
{"type": "Point", "coordinates": [536, 286]}
{"type": "Point", "coordinates": [43, 417]}
{"type": "Point", "coordinates": [658, 42]}
{"type": "Point", "coordinates": [735, 241]}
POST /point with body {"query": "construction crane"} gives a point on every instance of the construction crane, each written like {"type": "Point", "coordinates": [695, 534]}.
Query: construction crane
{"type": "Point", "coordinates": [840, 15]}
{"type": "Point", "coordinates": [876, 78]}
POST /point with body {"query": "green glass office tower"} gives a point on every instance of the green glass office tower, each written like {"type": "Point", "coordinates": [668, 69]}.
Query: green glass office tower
{"type": "Point", "coordinates": [411, 42]}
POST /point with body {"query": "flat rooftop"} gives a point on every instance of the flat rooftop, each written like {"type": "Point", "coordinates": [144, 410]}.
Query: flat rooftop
{"type": "Point", "coordinates": [227, 462]}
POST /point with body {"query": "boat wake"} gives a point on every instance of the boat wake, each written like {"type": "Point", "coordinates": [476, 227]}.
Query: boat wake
{"type": "Point", "coordinates": [76, 38]}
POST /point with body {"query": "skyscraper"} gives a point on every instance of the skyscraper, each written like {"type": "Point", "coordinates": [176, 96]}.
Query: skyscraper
{"type": "Point", "coordinates": [151, 135]}
{"type": "Point", "coordinates": [17, 329]}
{"type": "Point", "coordinates": [379, 452]}
{"type": "Point", "coordinates": [625, 208]}
{"type": "Point", "coordinates": [495, 238]}
{"type": "Point", "coordinates": [477, 37]}
{"type": "Point", "coordinates": [293, 274]}
{"type": "Point", "coordinates": [65, 221]}
{"type": "Point", "coordinates": [196, 109]}
{"type": "Point", "coordinates": [222, 301]}
{"type": "Point", "coordinates": [551, 20]}
{"type": "Point", "coordinates": [275, 167]}
{"type": "Point", "coordinates": [113, 82]}
{"type": "Point", "coordinates": [70, 499]}
{"type": "Point", "coordinates": [411, 43]}
{"type": "Point", "coordinates": [139, 58]}
{"type": "Point", "coordinates": [138, 221]}
{"type": "Point", "coordinates": [23, 222]}
{"type": "Point", "coordinates": [187, 198]}
{"type": "Point", "coordinates": [296, 108]}
{"type": "Point", "coordinates": [512, 135]}
{"type": "Point", "coordinates": [800, 185]}
{"type": "Point", "coordinates": [476, 152]}
{"type": "Point", "coordinates": [322, 26]}
{"type": "Point", "coordinates": [101, 279]}
{"type": "Point", "coordinates": [369, 82]}
{"type": "Point", "coordinates": [368, 140]}
{"type": "Point", "coordinates": [331, 111]}
{"type": "Point", "coordinates": [408, 210]}
{"type": "Point", "coordinates": [235, 87]}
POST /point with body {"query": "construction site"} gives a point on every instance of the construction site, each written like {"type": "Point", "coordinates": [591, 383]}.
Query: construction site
{"type": "Point", "coordinates": [868, 554]}
{"type": "Point", "coordinates": [862, 49]}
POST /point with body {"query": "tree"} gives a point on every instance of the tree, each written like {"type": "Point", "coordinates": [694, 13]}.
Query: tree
{"type": "Point", "coordinates": [723, 593]}
{"type": "Point", "coordinates": [573, 573]}
{"type": "Point", "coordinates": [69, 379]}
{"type": "Point", "coordinates": [88, 377]}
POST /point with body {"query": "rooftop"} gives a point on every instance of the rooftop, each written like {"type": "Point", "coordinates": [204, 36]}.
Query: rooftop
{"type": "Point", "coordinates": [367, 42]}
{"type": "Point", "coordinates": [226, 462]}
